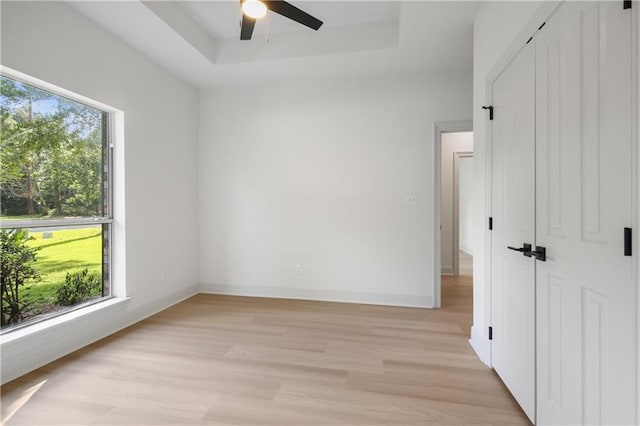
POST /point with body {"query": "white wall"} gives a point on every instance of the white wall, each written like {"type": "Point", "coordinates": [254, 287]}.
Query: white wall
{"type": "Point", "coordinates": [316, 173]}
{"type": "Point", "coordinates": [466, 212]}
{"type": "Point", "coordinates": [496, 27]}
{"type": "Point", "coordinates": [157, 164]}
{"type": "Point", "coordinates": [450, 144]}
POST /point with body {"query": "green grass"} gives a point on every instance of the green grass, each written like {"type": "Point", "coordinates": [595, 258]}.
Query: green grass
{"type": "Point", "coordinates": [66, 251]}
{"type": "Point", "coordinates": [23, 217]}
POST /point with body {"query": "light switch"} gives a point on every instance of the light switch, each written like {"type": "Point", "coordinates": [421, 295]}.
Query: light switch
{"type": "Point", "coordinates": [411, 200]}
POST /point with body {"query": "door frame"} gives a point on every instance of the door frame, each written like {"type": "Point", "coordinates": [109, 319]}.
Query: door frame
{"type": "Point", "coordinates": [456, 207]}
{"type": "Point", "coordinates": [438, 129]}
{"type": "Point", "coordinates": [635, 137]}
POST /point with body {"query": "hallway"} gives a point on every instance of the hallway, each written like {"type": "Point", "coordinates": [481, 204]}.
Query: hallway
{"type": "Point", "coordinates": [457, 291]}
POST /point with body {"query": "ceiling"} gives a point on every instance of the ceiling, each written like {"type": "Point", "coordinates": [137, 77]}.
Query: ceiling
{"type": "Point", "coordinates": [221, 18]}
{"type": "Point", "coordinates": [199, 40]}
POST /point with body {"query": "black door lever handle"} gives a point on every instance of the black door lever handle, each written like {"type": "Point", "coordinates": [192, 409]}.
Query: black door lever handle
{"type": "Point", "coordinates": [540, 253]}
{"type": "Point", "coordinates": [525, 249]}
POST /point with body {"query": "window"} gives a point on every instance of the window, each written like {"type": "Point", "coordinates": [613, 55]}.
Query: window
{"type": "Point", "coordinates": [55, 203]}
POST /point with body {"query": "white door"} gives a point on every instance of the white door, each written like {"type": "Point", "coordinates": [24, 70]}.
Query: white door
{"type": "Point", "coordinates": [513, 208]}
{"type": "Point", "coordinates": [586, 297]}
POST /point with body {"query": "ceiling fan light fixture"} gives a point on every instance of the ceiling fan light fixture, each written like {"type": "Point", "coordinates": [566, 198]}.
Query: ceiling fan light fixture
{"type": "Point", "coordinates": [254, 9]}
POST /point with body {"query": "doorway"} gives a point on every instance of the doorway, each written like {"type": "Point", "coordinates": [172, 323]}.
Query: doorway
{"type": "Point", "coordinates": [455, 203]}
{"type": "Point", "coordinates": [463, 212]}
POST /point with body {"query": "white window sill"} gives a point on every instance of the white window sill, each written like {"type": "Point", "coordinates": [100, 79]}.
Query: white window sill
{"type": "Point", "coordinates": [114, 304]}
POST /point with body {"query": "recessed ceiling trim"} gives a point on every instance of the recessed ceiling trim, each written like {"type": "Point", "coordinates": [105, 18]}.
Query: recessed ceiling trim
{"type": "Point", "coordinates": [184, 25]}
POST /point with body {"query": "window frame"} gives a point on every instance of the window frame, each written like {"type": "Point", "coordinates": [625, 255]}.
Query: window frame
{"type": "Point", "coordinates": [108, 144]}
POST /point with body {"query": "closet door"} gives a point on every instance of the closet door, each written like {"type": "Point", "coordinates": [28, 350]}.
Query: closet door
{"type": "Point", "coordinates": [513, 281]}
{"type": "Point", "coordinates": [586, 342]}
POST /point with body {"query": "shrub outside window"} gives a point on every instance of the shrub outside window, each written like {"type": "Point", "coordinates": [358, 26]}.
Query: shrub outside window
{"type": "Point", "coordinates": [55, 203]}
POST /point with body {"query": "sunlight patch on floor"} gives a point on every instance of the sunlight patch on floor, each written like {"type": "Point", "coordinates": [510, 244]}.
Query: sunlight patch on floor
{"type": "Point", "coordinates": [16, 405]}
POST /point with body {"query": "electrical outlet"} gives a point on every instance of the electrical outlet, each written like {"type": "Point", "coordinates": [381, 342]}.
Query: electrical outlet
{"type": "Point", "coordinates": [411, 200]}
{"type": "Point", "coordinates": [298, 269]}
{"type": "Point", "coordinates": [162, 276]}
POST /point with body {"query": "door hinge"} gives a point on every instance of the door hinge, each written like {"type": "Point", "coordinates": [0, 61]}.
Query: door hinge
{"type": "Point", "coordinates": [490, 333]}
{"type": "Point", "coordinates": [627, 242]}
{"type": "Point", "coordinates": [490, 224]}
{"type": "Point", "coordinates": [490, 108]}
{"type": "Point", "coordinates": [626, 4]}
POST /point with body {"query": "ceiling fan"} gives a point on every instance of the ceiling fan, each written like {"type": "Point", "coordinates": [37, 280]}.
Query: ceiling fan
{"type": "Point", "coordinates": [252, 10]}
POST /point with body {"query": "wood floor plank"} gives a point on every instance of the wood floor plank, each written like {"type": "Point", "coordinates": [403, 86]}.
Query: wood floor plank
{"type": "Point", "coordinates": [223, 360]}
{"type": "Point", "coordinates": [393, 409]}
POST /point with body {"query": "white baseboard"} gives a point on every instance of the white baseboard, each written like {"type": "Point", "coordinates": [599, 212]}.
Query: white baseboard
{"type": "Point", "coordinates": [481, 346]}
{"type": "Point", "coordinates": [467, 250]}
{"type": "Point", "coordinates": [25, 350]}
{"type": "Point", "coordinates": [320, 294]}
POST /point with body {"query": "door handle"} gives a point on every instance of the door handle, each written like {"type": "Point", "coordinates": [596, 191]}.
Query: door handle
{"type": "Point", "coordinates": [525, 249]}
{"type": "Point", "coordinates": [540, 253]}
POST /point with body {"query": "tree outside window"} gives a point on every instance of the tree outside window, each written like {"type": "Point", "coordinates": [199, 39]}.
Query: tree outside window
{"type": "Point", "coordinates": [55, 215]}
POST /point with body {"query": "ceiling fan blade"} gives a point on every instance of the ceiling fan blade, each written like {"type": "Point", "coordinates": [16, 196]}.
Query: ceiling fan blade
{"type": "Point", "coordinates": [290, 11]}
{"type": "Point", "coordinates": [246, 29]}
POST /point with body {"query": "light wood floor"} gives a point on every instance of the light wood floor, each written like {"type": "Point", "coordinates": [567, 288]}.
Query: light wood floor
{"type": "Point", "coordinates": [465, 264]}
{"type": "Point", "coordinates": [249, 361]}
